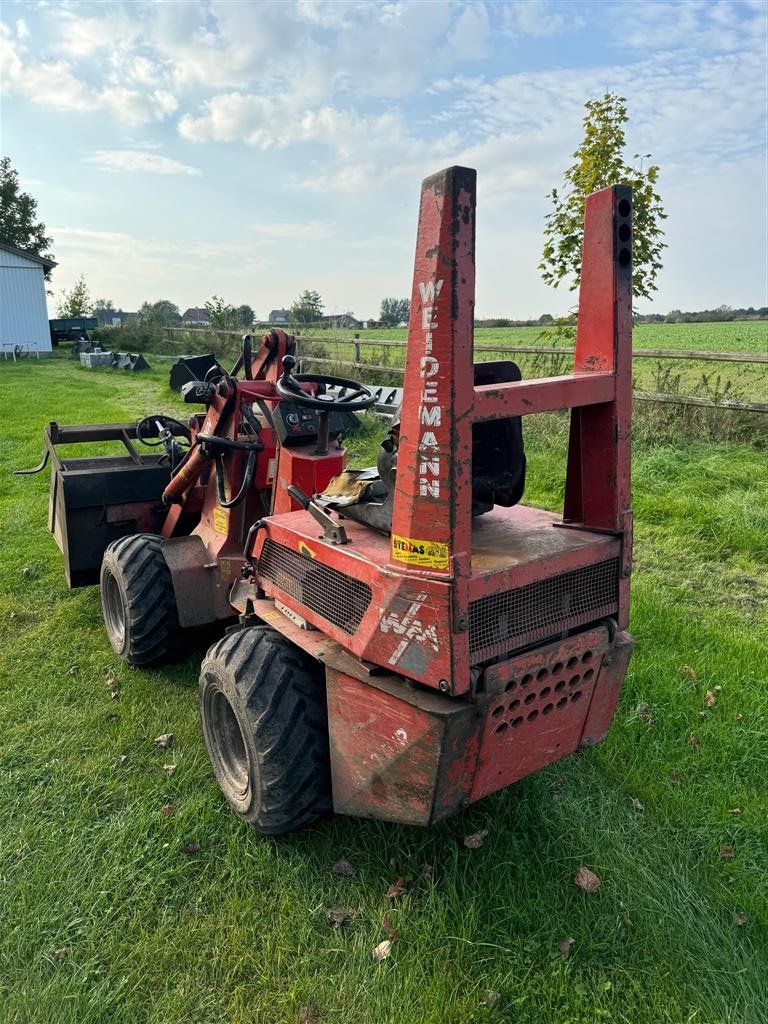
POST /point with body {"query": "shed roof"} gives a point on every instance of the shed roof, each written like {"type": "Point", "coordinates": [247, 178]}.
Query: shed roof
{"type": "Point", "coordinates": [48, 264]}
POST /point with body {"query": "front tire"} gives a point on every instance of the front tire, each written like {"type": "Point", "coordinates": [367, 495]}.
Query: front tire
{"type": "Point", "coordinates": [138, 602]}
{"type": "Point", "coordinates": [265, 724]}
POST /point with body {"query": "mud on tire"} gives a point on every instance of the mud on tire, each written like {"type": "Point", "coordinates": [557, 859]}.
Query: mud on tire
{"type": "Point", "coordinates": [138, 602]}
{"type": "Point", "coordinates": [262, 702]}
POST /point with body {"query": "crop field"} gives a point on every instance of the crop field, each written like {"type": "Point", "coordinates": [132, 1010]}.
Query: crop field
{"type": "Point", "coordinates": [132, 895]}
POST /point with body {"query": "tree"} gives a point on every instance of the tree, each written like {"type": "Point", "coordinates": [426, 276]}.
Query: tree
{"type": "Point", "coordinates": [244, 317]}
{"type": "Point", "coordinates": [220, 314]}
{"type": "Point", "coordinates": [76, 302]}
{"type": "Point", "coordinates": [599, 162]}
{"type": "Point", "coordinates": [18, 213]}
{"type": "Point", "coordinates": [307, 309]}
{"type": "Point", "coordinates": [393, 311]}
{"type": "Point", "coordinates": [102, 309]}
{"type": "Point", "coordinates": [159, 314]}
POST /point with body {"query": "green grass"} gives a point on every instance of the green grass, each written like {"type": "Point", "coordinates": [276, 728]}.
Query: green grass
{"type": "Point", "coordinates": [701, 378]}
{"type": "Point", "coordinates": [729, 336]}
{"type": "Point", "coordinates": [104, 919]}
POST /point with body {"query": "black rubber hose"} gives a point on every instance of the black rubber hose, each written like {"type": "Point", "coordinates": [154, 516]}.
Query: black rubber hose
{"type": "Point", "coordinates": [250, 468]}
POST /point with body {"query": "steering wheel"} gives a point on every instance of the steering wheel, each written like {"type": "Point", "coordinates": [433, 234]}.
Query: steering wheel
{"type": "Point", "coordinates": [289, 386]}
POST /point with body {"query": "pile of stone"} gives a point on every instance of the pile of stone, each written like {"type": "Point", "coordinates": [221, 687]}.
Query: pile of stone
{"type": "Point", "coordinates": [114, 360]}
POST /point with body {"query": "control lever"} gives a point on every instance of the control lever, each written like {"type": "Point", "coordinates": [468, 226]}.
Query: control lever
{"type": "Point", "coordinates": [331, 530]}
{"type": "Point", "coordinates": [288, 380]}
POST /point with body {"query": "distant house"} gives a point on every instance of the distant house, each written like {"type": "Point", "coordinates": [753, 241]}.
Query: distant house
{"type": "Point", "coordinates": [341, 320]}
{"type": "Point", "coordinates": [279, 317]}
{"type": "Point", "coordinates": [24, 319]}
{"type": "Point", "coordinates": [196, 316]}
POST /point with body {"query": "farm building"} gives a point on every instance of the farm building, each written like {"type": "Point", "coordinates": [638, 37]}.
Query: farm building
{"type": "Point", "coordinates": [23, 309]}
{"type": "Point", "coordinates": [279, 317]}
{"type": "Point", "coordinates": [197, 315]}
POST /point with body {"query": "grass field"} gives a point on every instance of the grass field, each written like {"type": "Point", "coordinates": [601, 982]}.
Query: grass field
{"type": "Point", "coordinates": [729, 336]}
{"type": "Point", "coordinates": [704, 379]}
{"type": "Point", "coordinates": [106, 919]}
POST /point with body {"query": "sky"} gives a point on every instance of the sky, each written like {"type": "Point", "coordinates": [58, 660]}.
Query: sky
{"type": "Point", "coordinates": [252, 150]}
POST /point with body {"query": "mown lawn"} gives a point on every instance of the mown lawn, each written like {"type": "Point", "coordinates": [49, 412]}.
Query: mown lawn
{"type": "Point", "coordinates": [105, 919]}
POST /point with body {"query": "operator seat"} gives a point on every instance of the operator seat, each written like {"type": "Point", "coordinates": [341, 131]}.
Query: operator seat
{"type": "Point", "coordinates": [498, 465]}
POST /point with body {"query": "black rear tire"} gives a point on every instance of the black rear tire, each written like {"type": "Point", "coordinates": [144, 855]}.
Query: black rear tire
{"type": "Point", "coordinates": [138, 603]}
{"type": "Point", "coordinates": [265, 724]}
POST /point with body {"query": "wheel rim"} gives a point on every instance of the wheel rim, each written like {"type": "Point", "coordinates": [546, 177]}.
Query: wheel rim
{"type": "Point", "coordinates": [228, 750]}
{"type": "Point", "coordinates": [114, 611]}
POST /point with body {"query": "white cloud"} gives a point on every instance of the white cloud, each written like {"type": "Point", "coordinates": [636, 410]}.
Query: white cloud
{"type": "Point", "coordinates": [720, 27]}
{"type": "Point", "coordinates": [539, 18]}
{"type": "Point", "coordinates": [22, 29]}
{"type": "Point", "coordinates": [83, 36]}
{"type": "Point", "coordinates": [303, 231]}
{"type": "Point", "coordinates": [54, 85]}
{"type": "Point", "coordinates": [133, 160]}
{"type": "Point", "coordinates": [469, 37]}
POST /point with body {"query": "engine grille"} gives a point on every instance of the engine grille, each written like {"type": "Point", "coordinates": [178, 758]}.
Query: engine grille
{"type": "Point", "coordinates": [503, 622]}
{"type": "Point", "coordinates": [341, 599]}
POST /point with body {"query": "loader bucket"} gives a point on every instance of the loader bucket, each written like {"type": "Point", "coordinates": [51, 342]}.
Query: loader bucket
{"type": "Point", "coordinates": [95, 500]}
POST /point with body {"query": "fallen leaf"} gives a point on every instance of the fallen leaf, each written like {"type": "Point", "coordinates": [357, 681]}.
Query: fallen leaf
{"type": "Point", "coordinates": [734, 812]}
{"type": "Point", "coordinates": [121, 759]}
{"type": "Point", "coordinates": [169, 810]}
{"type": "Point", "coordinates": [111, 717]}
{"type": "Point", "coordinates": [73, 670]}
{"type": "Point", "coordinates": [343, 868]}
{"type": "Point", "coordinates": [565, 945]}
{"type": "Point", "coordinates": [739, 717]}
{"type": "Point", "coordinates": [169, 769]}
{"type": "Point", "coordinates": [643, 712]}
{"type": "Point", "coordinates": [190, 848]}
{"type": "Point", "coordinates": [339, 916]}
{"type": "Point", "coordinates": [491, 999]}
{"type": "Point", "coordinates": [164, 740]}
{"type": "Point", "coordinates": [115, 695]}
{"type": "Point", "coordinates": [62, 951]}
{"type": "Point", "coordinates": [694, 741]}
{"type": "Point", "coordinates": [476, 840]}
{"type": "Point", "coordinates": [388, 927]}
{"type": "Point", "coordinates": [710, 699]}
{"type": "Point", "coordinates": [636, 805]}
{"type": "Point", "coordinates": [727, 852]}
{"type": "Point", "coordinates": [382, 951]}
{"type": "Point", "coordinates": [308, 1015]}
{"type": "Point", "coordinates": [586, 880]}
{"type": "Point", "coordinates": [740, 917]}
{"type": "Point", "coordinates": [688, 672]}
{"type": "Point", "coordinates": [396, 889]}
{"type": "Point", "coordinates": [13, 616]}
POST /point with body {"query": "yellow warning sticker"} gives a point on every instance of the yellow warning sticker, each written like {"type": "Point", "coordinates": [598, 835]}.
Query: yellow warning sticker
{"type": "Point", "coordinates": [429, 554]}
{"type": "Point", "coordinates": [221, 520]}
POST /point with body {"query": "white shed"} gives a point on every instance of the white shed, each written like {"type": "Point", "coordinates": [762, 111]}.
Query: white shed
{"type": "Point", "coordinates": [23, 309]}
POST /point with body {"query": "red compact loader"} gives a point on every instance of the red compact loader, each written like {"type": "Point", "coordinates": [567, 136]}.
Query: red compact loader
{"type": "Point", "coordinates": [409, 638]}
